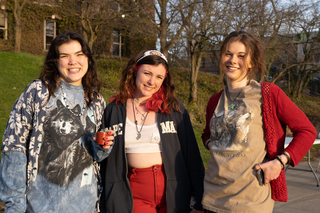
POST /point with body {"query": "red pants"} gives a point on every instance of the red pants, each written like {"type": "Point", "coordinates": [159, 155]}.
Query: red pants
{"type": "Point", "coordinates": [148, 187]}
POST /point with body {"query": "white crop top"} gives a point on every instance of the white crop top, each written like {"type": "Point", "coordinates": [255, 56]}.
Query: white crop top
{"type": "Point", "coordinates": [149, 141]}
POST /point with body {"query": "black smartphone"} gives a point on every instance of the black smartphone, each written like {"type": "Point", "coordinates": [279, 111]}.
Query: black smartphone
{"type": "Point", "coordinates": [260, 177]}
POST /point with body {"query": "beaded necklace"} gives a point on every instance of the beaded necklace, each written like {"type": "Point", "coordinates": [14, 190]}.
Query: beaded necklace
{"type": "Point", "coordinates": [67, 105]}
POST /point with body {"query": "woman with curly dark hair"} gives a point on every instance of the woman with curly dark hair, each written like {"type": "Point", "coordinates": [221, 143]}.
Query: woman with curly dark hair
{"type": "Point", "coordinates": [155, 165]}
{"type": "Point", "coordinates": [245, 133]}
{"type": "Point", "coordinates": [48, 156]}
{"type": "Point", "coordinates": [52, 71]}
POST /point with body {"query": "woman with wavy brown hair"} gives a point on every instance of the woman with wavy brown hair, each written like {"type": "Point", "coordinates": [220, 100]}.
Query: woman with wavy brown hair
{"type": "Point", "coordinates": [48, 156]}
{"type": "Point", "coordinates": [155, 165]}
{"type": "Point", "coordinates": [245, 132]}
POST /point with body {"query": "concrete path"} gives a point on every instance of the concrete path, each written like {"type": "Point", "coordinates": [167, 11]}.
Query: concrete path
{"type": "Point", "coordinates": [303, 193]}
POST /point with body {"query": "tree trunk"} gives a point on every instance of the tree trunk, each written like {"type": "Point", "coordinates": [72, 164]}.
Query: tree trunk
{"type": "Point", "coordinates": [17, 27]}
{"type": "Point", "coordinates": [193, 84]}
{"type": "Point", "coordinates": [17, 31]}
{"type": "Point", "coordinates": [289, 82]}
{"type": "Point", "coordinates": [90, 43]}
{"type": "Point", "coordinates": [299, 90]}
{"type": "Point", "coordinates": [195, 65]}
{"type": "Point", "coordinates": [163, 28]}
{"type": "Point", "coordinates": [91, 40]}
{"type": "Point", "coordinates": [84, 34]}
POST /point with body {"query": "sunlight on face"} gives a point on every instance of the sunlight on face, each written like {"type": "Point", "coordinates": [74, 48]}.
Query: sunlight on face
{"type": "Point", "coordinates": [149, 80]}
{"type": "Point", "coordinates": [236, 63]}
{"type": "Point", "coordinates": [72, 62]}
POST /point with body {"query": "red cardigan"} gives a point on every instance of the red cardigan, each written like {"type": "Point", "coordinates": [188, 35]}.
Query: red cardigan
{"type": "Point", "coordinates": [278, 111]}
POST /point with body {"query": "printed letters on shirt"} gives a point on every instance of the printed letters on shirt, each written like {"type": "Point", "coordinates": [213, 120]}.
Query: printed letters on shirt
{"type": "Point", "coordinates": [168, 127]}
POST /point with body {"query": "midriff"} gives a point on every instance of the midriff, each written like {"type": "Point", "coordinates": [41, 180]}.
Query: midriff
{"type": "Point", "coordinates": [143, 160]}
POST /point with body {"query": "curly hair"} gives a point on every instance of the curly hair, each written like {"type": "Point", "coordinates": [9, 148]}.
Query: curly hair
{"type": "Point", "coordinates": [50, 73]}
{"type": "Point", "coordinates": [255, 51]}
{"type": "Point", "coordinates": [162, 100]}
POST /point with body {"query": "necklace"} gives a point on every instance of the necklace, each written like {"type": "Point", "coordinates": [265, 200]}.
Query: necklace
{"type": "Point", "coordinates": [136, 122]}
{"type": "Point", "coordinates": [232, 105]}
{"type": "Point", "coordinates": [143, 115]}
{"type": "Point", "coordinates": [136, 100]}
{"type": "Point", "coordinates": [67, 105]}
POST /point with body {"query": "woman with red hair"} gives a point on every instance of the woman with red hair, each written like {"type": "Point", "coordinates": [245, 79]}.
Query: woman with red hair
{"type": "Point", "coordinates": [155, 165]}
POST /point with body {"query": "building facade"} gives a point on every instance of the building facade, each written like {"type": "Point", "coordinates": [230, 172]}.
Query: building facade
{"type": "Point", "coordinates": [43, 20]}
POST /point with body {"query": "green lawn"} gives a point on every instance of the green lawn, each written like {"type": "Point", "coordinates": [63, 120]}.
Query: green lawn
{"type": "Point", "coordinates": [16, 72]}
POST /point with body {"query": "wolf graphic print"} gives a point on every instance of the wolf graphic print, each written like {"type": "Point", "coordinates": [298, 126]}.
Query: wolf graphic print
{"type": "Point", "coordinates": [62, 157]}
{"type": "Point", "coordinates": [229, 131]}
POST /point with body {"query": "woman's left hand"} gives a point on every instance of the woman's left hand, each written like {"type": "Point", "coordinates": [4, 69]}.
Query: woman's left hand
{"type": "Point", "coordinates": [196, 211]}
{"type": "Point", "coordinates": [107, 140]}
{"type": "Point", "coordinates": [271, 170]}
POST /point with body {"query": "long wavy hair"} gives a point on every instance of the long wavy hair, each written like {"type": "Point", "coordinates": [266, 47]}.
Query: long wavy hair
{"type": "Point", "coordinates": [162, 100]}
{"type": "Point", "coordinates": [50, 73]}
{"type": "Point", "coordinates": [255, 50]}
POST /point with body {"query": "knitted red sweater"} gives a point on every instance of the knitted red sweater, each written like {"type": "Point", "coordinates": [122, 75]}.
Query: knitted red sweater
{"type": "Point", "coordinates": [278, 111]}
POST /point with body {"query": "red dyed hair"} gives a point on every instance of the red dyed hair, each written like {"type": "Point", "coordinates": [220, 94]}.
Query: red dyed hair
{"type": "Point", "coordinates": [162, 100]}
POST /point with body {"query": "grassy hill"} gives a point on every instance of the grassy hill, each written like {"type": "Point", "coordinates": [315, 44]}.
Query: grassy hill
{"type": "Point", "coordinates": [18, 70]}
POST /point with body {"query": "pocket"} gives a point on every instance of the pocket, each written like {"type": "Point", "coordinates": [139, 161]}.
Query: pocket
{"type": "Point", "coordinates": [130, 174]}
{"type": "Point", "coordinates": [155, 137]}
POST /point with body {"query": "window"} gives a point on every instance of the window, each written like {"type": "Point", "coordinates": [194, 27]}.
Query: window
{"type": "Point", "coordinates": [3, 26]}
{"type": "Point", "coordinates": [49, 33]}
{"type": "Point", "coordinates": [117, 44]}
{"type": "Point", "coordinates": [211, 62]}
{"type": "Point", "coordinates": [203, 62]}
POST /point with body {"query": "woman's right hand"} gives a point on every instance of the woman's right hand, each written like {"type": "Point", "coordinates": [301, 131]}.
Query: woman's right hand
{"type": "Point", "coordinates": [271, 169]}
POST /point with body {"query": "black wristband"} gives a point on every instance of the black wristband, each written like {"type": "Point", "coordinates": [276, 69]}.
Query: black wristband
{"type": "Point", "coordinates": [287, 156]}
{"type": "Point", "coordinates": [207, 144]}
{"type": "Point", "coordinates": [279, 159]}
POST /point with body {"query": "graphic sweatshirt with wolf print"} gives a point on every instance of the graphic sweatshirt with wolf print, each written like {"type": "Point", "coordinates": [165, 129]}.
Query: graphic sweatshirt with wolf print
{"type": "Point", "coordinates": [48, 156]}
